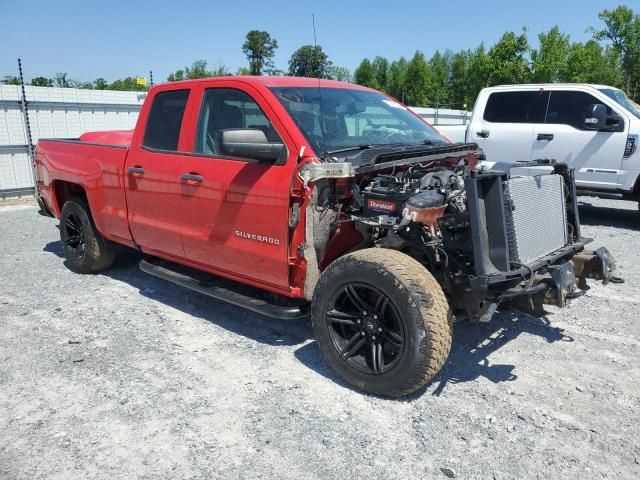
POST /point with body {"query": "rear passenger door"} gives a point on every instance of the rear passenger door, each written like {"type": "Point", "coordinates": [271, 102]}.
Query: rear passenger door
{"type": "Point", "coordinates": [235, 216]}
{"type": "Point", "coordinates": [505, 131]}
{"type": "Point", "coordinates": [152, 173]}
{"type": "Point", "coordinates": [595, 155]}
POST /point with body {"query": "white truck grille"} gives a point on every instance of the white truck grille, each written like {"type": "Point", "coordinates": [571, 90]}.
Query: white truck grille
{"type": "Point", "coordinates": [535, 216]}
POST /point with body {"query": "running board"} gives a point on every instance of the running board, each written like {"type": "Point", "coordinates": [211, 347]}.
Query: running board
{"type": "Point", "coordinates": [188, 278]}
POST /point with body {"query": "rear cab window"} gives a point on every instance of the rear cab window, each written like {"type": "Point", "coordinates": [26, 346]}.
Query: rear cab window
{"type": "Point", "coordinates": [516, 107]}
{"type": "Point", "coordinates": [165, 120]}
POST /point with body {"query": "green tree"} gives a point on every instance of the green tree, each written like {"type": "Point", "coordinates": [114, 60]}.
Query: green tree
{"type": "Point", "coordinates": [176, 76]}
{"type": "Point", "coordinates": [622, 29]}
{"type": "Point", "coordinates": [10, 80]}
{"type": "Point", "coordinates": [365, 74]}
{"type": "Point", "coordinates": [61, 80]}
{"type": "Point", "coordinates": [310, 61]}
{"type": "Point", "coordinates": [478, 73]}
{"type": "Point", "coordinates": [100, 84]}
{"type": "Point", "coordinates": [220, 71]}
{"type": "Point", "coordinates": [342, 74]}
{"type": "Point", "coordinates": [260, 49]}
{"type": "Point", "coordinates": [273, 71]}
{"type": "Point", "coordinates": [397, 79]}
{"type": "Point", "coordinates": [550, 59]}
{"type": "Point", "coordinates": [381, 69]}
{"type": "Point", "coordinates": [41, 82]}
{"type": "Point", "coordinates": [507, 59]}
{"type": "Point", "coordinates": [417, 81]}
{"type": "Point", "coordinates": [458, 86]}
{"type": "Point", "coordinates": [591, 63]}
{"type": "Point", "coordinates": [198, 70]}
{"type": "Point", "coordinates": [243, 71]}
{"type": "Point", "coordinates": [127, 83]}
{"type": "Point", "coordinates": [440, 67]}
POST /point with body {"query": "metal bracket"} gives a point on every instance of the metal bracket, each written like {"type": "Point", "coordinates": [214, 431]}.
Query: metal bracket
{"type": "Point", "coordinates": [312, 172]}
{"type": "Point", "coordinates": [564, 279]}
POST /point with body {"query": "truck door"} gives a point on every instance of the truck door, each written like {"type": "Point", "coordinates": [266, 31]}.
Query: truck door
{"type": "Point", "coordinates": [152, 174]}
{"type": "Point", "coordinates": [235, 208]}
{"type": "Point", "coordinates": [504, 130]}
{"type": "Point", "coordinates": [595, 155]}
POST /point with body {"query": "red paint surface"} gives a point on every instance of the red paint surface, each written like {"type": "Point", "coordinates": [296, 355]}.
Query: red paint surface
{"type": "Point", "coordinates": [199, 225]}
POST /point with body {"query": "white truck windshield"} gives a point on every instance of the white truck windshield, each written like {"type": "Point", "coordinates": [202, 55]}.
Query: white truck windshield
{"type": "Point", "coordinates": [621, 98]}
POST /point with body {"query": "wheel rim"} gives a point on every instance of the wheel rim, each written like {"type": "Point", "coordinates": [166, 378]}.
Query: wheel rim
{"type": "Point", "coordinates": [74, 241]}
{"type": "Point", "coordinates": [366, 329]}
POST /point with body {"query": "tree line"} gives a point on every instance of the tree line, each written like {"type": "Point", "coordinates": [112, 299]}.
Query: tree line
{"type": "Point", "coordinates": [454, 79]}
{"type": "Point", "coordinates": [447, 78]}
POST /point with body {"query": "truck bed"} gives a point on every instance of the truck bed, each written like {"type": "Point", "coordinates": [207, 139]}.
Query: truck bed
{"type": "Point", "coordinates": [94, 162]}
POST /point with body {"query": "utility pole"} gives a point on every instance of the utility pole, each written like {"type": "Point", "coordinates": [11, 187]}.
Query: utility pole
{"type": "Point", "coordinates": [27, 126]}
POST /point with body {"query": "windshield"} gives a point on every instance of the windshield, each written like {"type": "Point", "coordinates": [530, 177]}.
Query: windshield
{"type": "Point", "coordinates": [342, 118]}
{"type": "Point", "coordinates": [621, 98]}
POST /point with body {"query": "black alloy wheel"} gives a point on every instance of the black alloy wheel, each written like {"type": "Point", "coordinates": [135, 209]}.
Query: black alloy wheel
{"type": "Point", "coordinates": [74, 241]}
{"type": "Point", "coordinates": [86, 250]}
{"type": "Point", "coordinates": [366, 329]}
{"type": "Point", "coordinates": [382, 321]}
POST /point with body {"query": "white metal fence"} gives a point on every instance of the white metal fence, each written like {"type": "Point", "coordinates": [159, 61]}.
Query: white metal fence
{"type": "Point", "coordinates": [69, 112]}
{"type": "Point", "coordinates": [443, 116]}
{"type": "Point", "coordinates": [54, 113]}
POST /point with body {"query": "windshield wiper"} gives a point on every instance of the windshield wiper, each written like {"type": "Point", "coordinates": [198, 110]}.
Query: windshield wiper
{"type": "Point", "coordinates": [380, 145]}
{"type": "Point", "coordinates": [350, 149]}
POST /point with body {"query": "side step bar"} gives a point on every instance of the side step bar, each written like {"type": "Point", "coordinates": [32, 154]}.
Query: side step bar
{"type": "Point", "coordinates": [163, 269]}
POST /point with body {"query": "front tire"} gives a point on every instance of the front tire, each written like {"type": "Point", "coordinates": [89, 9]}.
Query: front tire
{"type": "Point", "coordinates": [85, 249]}
{"type": "Point", "coordinates": [382, 321]}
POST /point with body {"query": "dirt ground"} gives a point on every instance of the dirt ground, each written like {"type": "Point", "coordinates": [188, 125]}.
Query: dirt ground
{"type": "Point", "coordinates": [119, 375]}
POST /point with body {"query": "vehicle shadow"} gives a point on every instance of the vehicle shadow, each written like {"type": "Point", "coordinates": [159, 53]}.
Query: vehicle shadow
{"type": "Point", "coordinates": [472, 344]}
{"type": "Point", "coordinates": [608, 217]}
{"type": "Point", "coordinates": [234, 319]}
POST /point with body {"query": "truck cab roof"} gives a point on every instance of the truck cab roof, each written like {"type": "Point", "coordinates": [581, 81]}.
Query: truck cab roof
{"type": "Point", "coordinates": [527, 86]}
{"type": "Point", "coordinates": [270, 81]}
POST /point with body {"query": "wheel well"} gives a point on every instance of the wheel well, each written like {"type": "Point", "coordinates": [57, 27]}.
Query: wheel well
{"type": "Point", "coordinates": [63, 191]}
{"type": "Point", "coordinates": [636, 186]}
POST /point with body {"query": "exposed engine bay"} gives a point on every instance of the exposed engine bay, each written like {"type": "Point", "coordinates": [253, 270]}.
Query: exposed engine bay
{"type": "Point", "coordinates": [487, 237]}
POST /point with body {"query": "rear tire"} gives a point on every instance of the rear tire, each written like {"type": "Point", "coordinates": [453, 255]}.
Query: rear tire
{"type": "Point", "coordinates": [85, 249]}
{"type": "Point", "coordinates": [382, 321]}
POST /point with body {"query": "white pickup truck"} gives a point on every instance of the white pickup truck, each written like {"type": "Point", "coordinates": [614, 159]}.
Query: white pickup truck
{"type": "Point", "coordinates": [593, 128]}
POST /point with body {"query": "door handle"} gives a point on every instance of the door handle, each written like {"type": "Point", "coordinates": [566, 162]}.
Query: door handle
{"type": "Point", "coordinates": [191, 177]}
{"type": "Point", "coordinates": [137, 170]}
{"type": "Point", "coordinates": [483, 134]}
{"type": "Point", "coordinates": [545, 136]}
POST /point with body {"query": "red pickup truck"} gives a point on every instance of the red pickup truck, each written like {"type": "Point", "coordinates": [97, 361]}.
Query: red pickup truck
{"type": "Point", "coordinates": [291, 196]}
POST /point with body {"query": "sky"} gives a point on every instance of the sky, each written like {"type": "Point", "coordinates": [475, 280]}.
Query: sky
{"type": "Point", "coordinates": [115, 39]}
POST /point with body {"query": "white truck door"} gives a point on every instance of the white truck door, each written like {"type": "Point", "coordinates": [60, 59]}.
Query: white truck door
{"type": "Point", "coordinates": [595, 155]}
{"type": "Point", "coordinates": [502, 125]}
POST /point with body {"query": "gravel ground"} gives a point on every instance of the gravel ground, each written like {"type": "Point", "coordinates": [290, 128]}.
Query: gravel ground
{"type": "Point", "coordinates": [120, 375]}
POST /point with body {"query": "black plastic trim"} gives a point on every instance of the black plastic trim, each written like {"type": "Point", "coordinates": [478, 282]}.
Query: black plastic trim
{"type": "Point", "coordinates": [217, 156]}
{"type": "Point", "coordinates": [78, 141]}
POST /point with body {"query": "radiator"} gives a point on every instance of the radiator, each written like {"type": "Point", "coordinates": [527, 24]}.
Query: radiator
{"type": "Point", "coordinates": [535, 216]}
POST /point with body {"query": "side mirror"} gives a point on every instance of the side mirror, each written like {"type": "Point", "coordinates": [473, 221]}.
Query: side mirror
{"type": "Point", "coordinates": [249, 143]}
{"type": "Point", "coordinates": [595, 118]}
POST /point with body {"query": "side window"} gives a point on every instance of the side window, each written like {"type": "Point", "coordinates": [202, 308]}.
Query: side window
{"type": "Point", "coordinates": [515, 107]}
{"type": "Point", "coordinates": [227, 109]}
{"type": "Point", "coordinates": [569, 108]}
{"type": "Point", "coordinates": [165, 119]}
